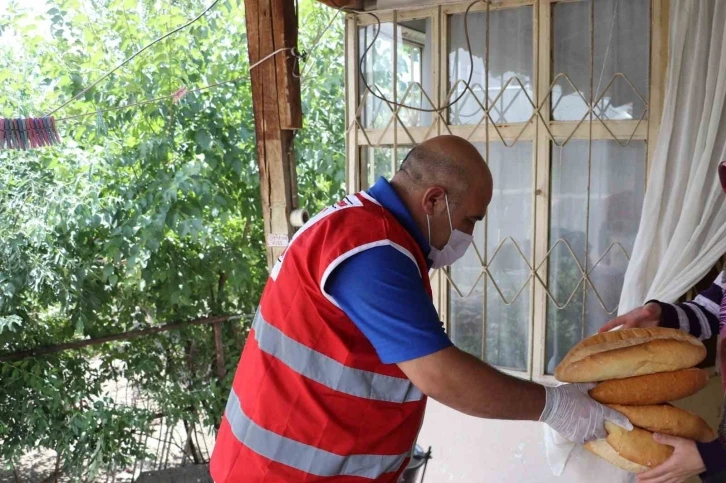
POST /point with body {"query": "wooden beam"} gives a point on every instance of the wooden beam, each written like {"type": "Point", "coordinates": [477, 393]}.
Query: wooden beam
{"type": "Point", "coordinates": [272, 25]}
{"type": "Point", "coordinates": [285, 32]}
{"type": "Point", "coordinates": [658, 67]}
{"type": "Point", "coordinates": [349, 4]}
{"type": "Point", "coordinates": [542, 190]}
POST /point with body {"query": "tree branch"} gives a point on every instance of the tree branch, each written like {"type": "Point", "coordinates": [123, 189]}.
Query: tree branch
{"type": "Point", "coordinates": [132, 334]}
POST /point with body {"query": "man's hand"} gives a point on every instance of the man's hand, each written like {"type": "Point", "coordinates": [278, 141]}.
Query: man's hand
{"type": "Point", "coordinates": [684, 462]}
{"type": "Point", "coordinates": [463, 382]}
{"type": "Point", "coordinates": [646, 316]}
{"type": "Point", "coordinates": [577, 417]}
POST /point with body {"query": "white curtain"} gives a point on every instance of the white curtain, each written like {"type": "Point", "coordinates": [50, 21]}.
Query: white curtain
{"type": "Point", "coordinates": [683, 225]}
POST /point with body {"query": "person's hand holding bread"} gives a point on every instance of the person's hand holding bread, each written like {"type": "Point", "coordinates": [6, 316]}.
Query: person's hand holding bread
{"type": "Point", "coordinates": [636, 371]}
{"type": "Point", "coordinates": [685, 460]}
{"type": "Point", "coordinates": [646, 316]}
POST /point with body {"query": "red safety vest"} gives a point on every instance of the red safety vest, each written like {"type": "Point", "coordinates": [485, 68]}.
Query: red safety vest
{"type": "Point", "coordinates": [311, 400]}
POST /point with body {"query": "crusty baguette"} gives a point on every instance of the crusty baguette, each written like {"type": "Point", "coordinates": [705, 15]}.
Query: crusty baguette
{"type": "Point", "coordinates": [637, 445]}
{"type": "Point", "coordinates": [667, 419]}
{"type": "Point", "coordinates": [630, 352]}
{"type": "Point", "coordinates": [652, 388]}
{"type": "Point", "coordinates": [601, 448]}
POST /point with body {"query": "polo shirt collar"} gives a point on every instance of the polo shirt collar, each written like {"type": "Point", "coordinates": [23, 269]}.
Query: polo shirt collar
{"type": "Point", "coordinates": [384, 193]}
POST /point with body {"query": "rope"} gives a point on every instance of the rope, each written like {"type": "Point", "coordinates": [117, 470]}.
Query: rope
{"type": "Point", "coordinates": [170, 96]}
{"type": "Point", "coordinates": [181, 27]}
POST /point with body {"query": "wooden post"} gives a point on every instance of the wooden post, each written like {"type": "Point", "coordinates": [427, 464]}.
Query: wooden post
{"type": "Point", "coordinates": [350, 4]}
{"type": "Point", "coordinates": [272, 25]}
{"type": "Point", "coordinates": [219, 351]}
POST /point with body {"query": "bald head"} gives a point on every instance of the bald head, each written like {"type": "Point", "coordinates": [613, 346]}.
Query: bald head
{"type": "Point", "coordinates": [446, 185]}
{"type": "Point", "coordinates": [450, 162]}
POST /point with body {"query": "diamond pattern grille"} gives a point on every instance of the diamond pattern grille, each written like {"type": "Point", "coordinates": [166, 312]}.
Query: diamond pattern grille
{"type": "Point", "coordinates": [534, 273]}
{"type": "Point", "coordinates": [491, 113]}
{"type": "Point", "coordinates": [486, 116]}
{"type": "Point", "coordinates": [486, 111]}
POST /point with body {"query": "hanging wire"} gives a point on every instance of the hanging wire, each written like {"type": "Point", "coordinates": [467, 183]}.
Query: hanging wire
{"type": "Point", "coordinates": [293, 50]}
{"type": "Point", "coordinates": [176, 93]}
{"type": "Point", "coordinates": [168, 34]}
{"type": "Point", "coordinates": [317, 40]}
{"type": "Point", "coordinates": [361, 63]}
{"type": "Point", "coordinates": [607, 50]}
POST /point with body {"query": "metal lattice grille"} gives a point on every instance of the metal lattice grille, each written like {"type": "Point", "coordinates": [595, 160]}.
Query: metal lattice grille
{"type": "Point", "coordinates": [534, 274]}
{"type": "Point", "coordinates": [479, 111]}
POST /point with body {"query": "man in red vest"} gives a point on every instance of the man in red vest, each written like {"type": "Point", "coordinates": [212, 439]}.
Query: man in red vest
{"type": "Point", "coordinates": [346, 344]}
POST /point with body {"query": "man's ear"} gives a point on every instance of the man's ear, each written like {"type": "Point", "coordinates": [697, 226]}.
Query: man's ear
{"type": "Point", "coordinates": [434, 201]}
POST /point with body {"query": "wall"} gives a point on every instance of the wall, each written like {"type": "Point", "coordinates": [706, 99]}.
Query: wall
{"type": "Point", "coordinates": [471, 450]}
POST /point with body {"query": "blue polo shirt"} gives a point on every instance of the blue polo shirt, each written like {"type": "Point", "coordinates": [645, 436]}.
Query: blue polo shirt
{"type": "Point", "coordinates": [381, 291]}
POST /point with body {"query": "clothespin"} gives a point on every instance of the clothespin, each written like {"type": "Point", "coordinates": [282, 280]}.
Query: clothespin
{"type": "Point", "coordinates": [55, 131]}
{"type": "Point", "coordinates": [31, 133]}
{"type": "Point", "coordinates": [100, 123]}
{"type": "Point", "coordinates": [37, 138]}
{"type": "Point", "coordinates": [39, 132]}
{"type": "Point", "coordinates": [28, 133]}
{"type": "Point", "coordinates": [179, 94]}
{"type": "Point", "coordinates": [42, 131]}
{"type": "Point", "coordinates": [10, 133]}
{"type": "Point", "coordinates": [37, 129]}
{"type": "Point", "coordinates": [16, 134]}
{"type": "Point", "coordinates": [48, 130]}
{"type": "Point", "coordinates": [24, 134]}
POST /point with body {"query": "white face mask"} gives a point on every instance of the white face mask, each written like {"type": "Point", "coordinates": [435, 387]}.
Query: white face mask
{"type": "Point", "coordinates": [454, 249]}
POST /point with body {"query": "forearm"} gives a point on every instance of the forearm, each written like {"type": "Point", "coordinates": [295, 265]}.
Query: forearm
{"type": "Point", "coordinates": [699, 317]}
{"type": "Point", "coordinates": [713, 455]}
{"type": "Point", "coordinates": [462, 382]}
{"type": "Point", "coordinates": [692, 317]}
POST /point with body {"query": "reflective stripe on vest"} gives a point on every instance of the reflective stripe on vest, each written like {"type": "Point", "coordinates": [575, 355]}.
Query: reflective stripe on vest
{"type": "Point", "coordinates": [329, 372]}
{"type": "Point", "coordinates": [303, 457]}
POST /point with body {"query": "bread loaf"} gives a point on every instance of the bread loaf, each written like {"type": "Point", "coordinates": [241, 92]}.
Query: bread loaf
{"type": "Point", "coordinates": [637, 445]}
{"type": "Point", "coordinates": [603, 449]}
{"type": "Point", "coordinates": [667, 419]}
{"type": "Point", "coordinates": [652, 388]}
{"type": "Point", "coordinates": [630, 352]}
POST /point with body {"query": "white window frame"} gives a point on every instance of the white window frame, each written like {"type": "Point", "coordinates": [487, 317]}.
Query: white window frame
{"type": "Point", "coordinates": [534, 130]}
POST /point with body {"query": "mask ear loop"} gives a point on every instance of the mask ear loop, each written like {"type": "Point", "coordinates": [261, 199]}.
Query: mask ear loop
{"type": "Point", "coordinates": [448, 212]}
{"type": "Point", "coordinates": [428, 222]}
{"type": "Point", "coordinates": [446, 198]}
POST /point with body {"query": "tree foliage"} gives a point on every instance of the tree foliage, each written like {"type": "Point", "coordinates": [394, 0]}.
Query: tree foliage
{"type": "Point", "coordinates": [143, 216]}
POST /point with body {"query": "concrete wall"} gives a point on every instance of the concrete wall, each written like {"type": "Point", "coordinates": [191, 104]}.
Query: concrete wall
{"type": "Point", "coordinates": [471, 450]}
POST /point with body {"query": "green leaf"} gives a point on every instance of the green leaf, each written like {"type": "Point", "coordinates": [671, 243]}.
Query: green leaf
{"type": "Point", "coordinates": [107, 271]}
{"type": "Point", "coordinates": [11, 323]}
{"type": "Point", "coordinates": [134, 220]}
{"type": "Point", "coordinates": [203, 139]}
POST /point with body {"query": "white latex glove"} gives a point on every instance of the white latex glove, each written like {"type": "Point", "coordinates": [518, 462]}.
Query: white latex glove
{"type": "Point", "coordinates": [570, 411]}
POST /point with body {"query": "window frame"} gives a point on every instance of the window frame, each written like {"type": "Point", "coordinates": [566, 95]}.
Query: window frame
{"type": "Point", "coordinates": [535, 130]}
